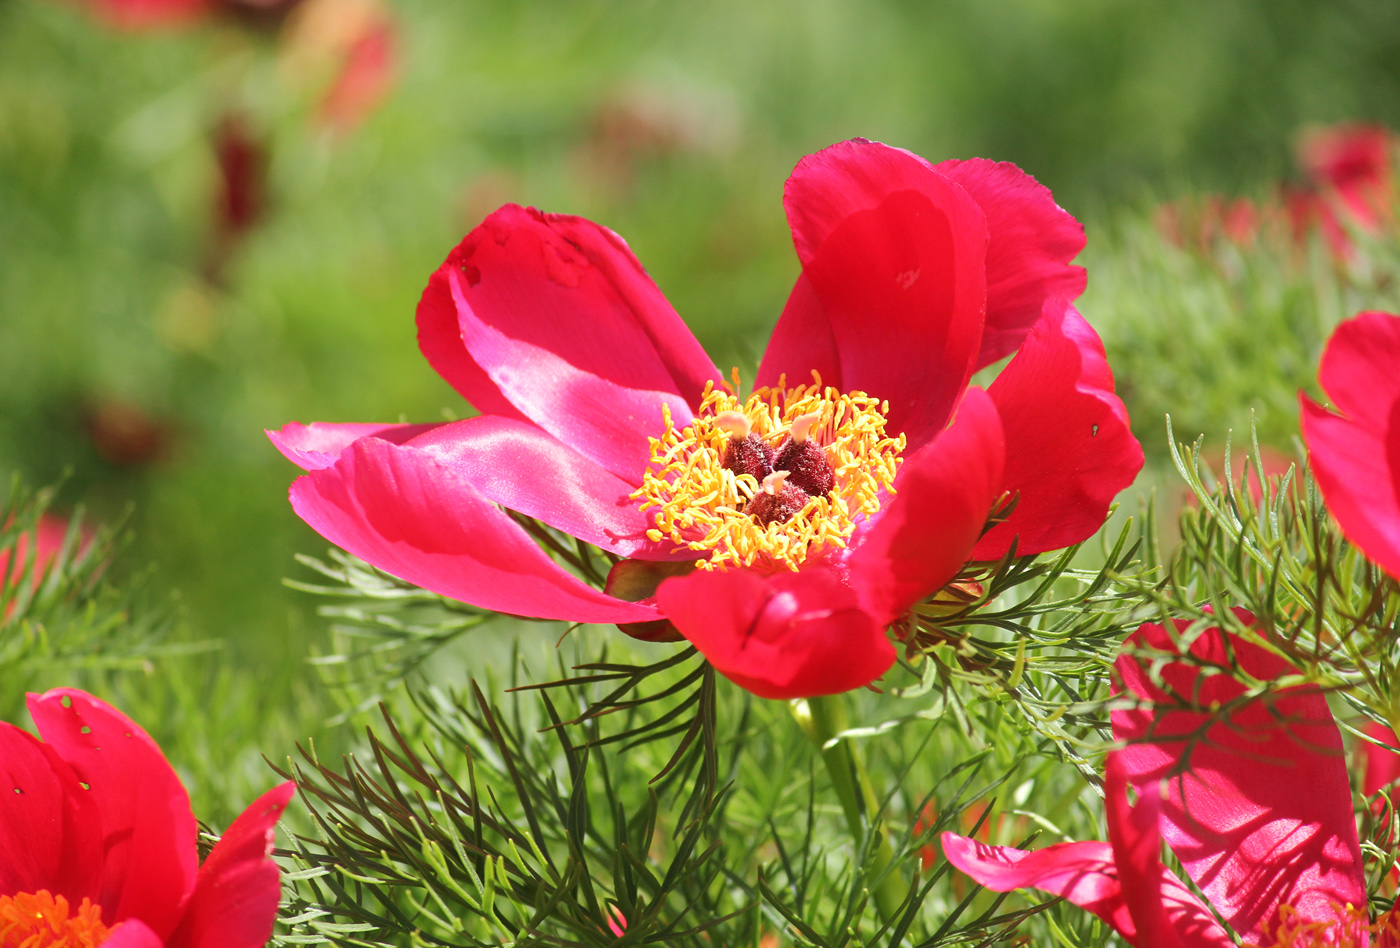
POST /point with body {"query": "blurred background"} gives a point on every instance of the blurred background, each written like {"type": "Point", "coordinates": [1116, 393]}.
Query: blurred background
{"type": "Point", "coordinates": [216, 216]}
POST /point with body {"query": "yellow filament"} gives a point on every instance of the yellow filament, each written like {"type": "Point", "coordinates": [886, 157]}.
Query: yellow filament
{"type": "Point", "coordinates": [700, 505]}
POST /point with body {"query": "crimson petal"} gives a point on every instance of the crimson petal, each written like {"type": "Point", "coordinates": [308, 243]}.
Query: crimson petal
{"type": "Point", "coordinates": [50, 830]}
{"type": "Point", "coordinates": [1258, 810]}
{"type": "Point", "coordinates": [406, 512]}
{"type": "Point", "coordinates": [561, 318]}
{"type": "Point", "coordinates": [518, 465]}
{"type": "Point", "coordinates": [148, 829]}
{"type": "Point", "coordinates": [1355, 457]}
{"type": "Point", "coordinates": [926, 532]}
{"type": "Point", "coordinates": [317, 445]}
{"type": "Point", "coordinates": [235, 898]}
{"type": "Point", "coordinates": [895, 257]}
{"type": "Point", "coordinates": [1069, 450]}
{"type": "Point", "coordinates": [1031, 241]}
{"type": "Point", "coordinates": [790, 635]}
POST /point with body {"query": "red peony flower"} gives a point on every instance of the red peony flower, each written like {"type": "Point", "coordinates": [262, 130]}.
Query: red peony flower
{"type": "Point", "coordinates": [1354, 455]}
{"type": "Point", "coordinates": [97, 841]}
{"type": "Point", "coordinates": [1350, 166]}
{"type": "Point", "coordinates": [787, 529]}
{"type": "Point", "coordinates": [1255, 806]}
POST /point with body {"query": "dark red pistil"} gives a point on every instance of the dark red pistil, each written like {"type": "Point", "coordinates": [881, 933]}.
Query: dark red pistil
{"type": "Point", "coordinates": [808, 468]}
{"type": "Point", "coordinates": [778, 507]}
{"type": "Point", "coordinates": [749, 455]}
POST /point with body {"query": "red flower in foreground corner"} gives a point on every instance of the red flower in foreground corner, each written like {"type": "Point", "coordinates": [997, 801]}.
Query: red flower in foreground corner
{"type": "Point", "coordinates": [796, 524]}
{"type": "Point", "coordinates": [1354, 455]}
{"type": "Point", "coordinates": [97, 841]}
{"type": "Point", "coordinates": [1257, 809]}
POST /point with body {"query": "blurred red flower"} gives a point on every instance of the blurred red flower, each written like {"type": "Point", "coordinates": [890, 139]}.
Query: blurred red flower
{"type": "Point", "coordinates": [802, 520]}
{"type": "Point", "coordinates": [1353, 454]}
{"type": "Point", "coordinates": [97, 841]}
{"type": "Point", "coordinates": [1256, 806]}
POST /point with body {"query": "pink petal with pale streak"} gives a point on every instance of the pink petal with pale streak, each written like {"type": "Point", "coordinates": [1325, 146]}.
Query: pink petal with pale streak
{"type": "Point", "coordinates": [895, 255]}
{"type": "Point", "coordinates": [789, 635]}
{"type": "Point", "coordinates": [559, 316]}
{"type": "Point", "coordinates": [1031, 241]}
{"type": "Point", "coordinates": [1355, 457]}
{"type": "Point", "coordinates": [401, 509]}
{"type": "Point", "coordinates": [148, 870]}
{"type": "Point", "coordinates": [1259, 811]}
{"type": "Point", "coordinates": [927, 530]}
{"type": "Point", "coordinates": [1069, 450]}
{"type": "Point", "coordinates": [1382, 762]}
{"type": "Point", "coordinates": [50, 829]}
{"type": "Point", "coordinates": [235, 898]}
{"type": "Point", "coordinates": [517, 465]}
{"type": "Point", "coordinates": [317, 445]}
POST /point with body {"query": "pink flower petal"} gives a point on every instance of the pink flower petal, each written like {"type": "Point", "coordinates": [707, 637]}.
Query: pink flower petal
{"type": "Point", "coordinates": [517, 465]}
{"type": "Point", "coordinates": [401, 509]}
{"type": "Point", "coordinates": [1083, 873]}
{"type": "Point", "coordinates": [235, 898]}
{"type": "Point", "coordinates": [149, 868]}
{"type": "Point", "coordinates": [895, 254]}
{"type": "Point", "coordinates": [1031, 243]}
{"type": "Point", "coordinates": [317, 445]}
{"type": "Point", "coordinates": [1069, 450]}
{"type": "Point", "coordinates": [50, 830]}
{"type": "Point", "coordinates": [560, 316]}
{"type": "Point", "coordinates": [926, 532]}
{"type": "Point", "coordinates": [789, 635]}
{"type": "Point", "coordinates": [1259, 810]}
{"type": "Point", "coordinates": [1355, 457]}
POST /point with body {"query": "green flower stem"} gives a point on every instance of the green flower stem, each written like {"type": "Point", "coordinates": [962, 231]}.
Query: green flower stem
{"type": "Point", "coordinates": [827, 718]}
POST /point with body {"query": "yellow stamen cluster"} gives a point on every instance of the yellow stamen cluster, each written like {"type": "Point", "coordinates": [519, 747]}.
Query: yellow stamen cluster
{"type": "Point", "coordinates": [41, 920]}
{"type": "Point", "coordinates": [1351, 929]}
{"type": "Point", "coordinates": [700, 505]}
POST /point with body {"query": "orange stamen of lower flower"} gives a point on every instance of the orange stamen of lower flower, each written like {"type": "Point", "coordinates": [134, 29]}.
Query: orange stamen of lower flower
{"type": "Point", "coordinates": [700, 504]}
{"type": "Point", "coordinates": [43, 920]}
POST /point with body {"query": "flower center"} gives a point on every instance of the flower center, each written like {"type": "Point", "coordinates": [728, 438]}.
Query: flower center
{"type": "Point", "coordinates": [771, 481]}
{"type": "Point", "coordinates": [42, 920]}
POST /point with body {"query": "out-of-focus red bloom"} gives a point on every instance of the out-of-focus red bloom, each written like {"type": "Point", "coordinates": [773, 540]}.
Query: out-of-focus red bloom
{"type": "Point", "coordinates": [1350, 165]}
{"type": "Point", "coordinates": [816, 512]}
{"type": "Point", "coordinates": [1256, 806]}
{"type": "Point", "coordinates": [364, 79]}
{"type": "Point", "coordinates": [49, 534]}
{"type": "Point", "coordinates": [150, 14]}
{"type": "Point", "coordinates": [97, 841]}
{"type": "Point", "coordinates": [166, 14]}
{"type": "Point", "coordinates": [617, 922]}
{"type": "Point", "coordinates": [1355, 455]}
{"type": "Point", "coordinates": [345, 51]}
{"type": "Point", "coordinates": [1201, 225]}
{"type": "Point", "coordinates": [48, 537]}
